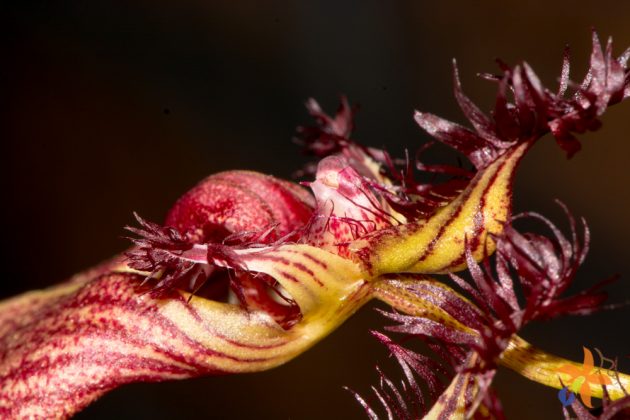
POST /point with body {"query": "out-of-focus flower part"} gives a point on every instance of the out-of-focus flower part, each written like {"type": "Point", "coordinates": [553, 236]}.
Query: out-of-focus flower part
{"type": "Point", "coordinates": [611, 410]}
{"type": "Point", "coordinates": [249, 271]}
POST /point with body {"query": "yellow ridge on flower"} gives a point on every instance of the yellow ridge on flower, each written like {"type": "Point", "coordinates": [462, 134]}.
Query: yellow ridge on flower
{"type": "Point", "coordinates": [437, 245]}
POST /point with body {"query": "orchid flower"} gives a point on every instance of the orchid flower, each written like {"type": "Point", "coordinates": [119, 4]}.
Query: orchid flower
{"type": "Point", "coordinates": [249, 271]}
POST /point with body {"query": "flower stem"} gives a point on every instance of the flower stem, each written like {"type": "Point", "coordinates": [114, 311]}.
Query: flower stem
{"type": "Point", "coordinates": [520, 356]}
{"type": "Point", "coordinates": [542, 367]}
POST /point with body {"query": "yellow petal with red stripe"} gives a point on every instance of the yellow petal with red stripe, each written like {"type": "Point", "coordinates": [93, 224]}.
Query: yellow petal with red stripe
{"type": "Point", "coordinates": [62, 348]}
{"type": "Point", "coordinates": [437, 245]}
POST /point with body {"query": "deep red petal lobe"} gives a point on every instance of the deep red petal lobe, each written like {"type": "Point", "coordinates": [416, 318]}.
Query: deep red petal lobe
{"type": "Point", "coordinates": [194, 251]}
{"type": "Point", "coordinates": [238, 201]}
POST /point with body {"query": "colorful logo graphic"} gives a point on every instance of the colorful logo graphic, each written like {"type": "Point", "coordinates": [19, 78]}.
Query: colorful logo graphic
{"type": "Point", "coordinates": [566, 397]}
{"type": "Point", "coordinates": [580, 380]}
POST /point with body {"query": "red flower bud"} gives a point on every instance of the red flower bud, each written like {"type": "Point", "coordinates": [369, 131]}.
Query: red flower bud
{"type": "Point", "coordinates": [240, 201]}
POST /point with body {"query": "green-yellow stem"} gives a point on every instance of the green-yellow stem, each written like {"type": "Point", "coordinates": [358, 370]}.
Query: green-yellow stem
{"type": "Point", "coordinates": [542, 367]}
{"type": "Point", "coordinates": [520, 356]}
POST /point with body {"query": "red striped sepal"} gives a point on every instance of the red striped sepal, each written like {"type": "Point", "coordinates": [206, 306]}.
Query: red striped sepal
{"type": "Point", "coordinates": [63, 347]}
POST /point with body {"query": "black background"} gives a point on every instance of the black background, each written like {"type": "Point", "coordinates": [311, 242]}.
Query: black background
{"type": "Point", "coordinates": [110, 107]}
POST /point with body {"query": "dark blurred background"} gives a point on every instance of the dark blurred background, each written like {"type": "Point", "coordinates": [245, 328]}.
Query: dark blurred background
{"type": "Point", "coordinates": [111, 107]}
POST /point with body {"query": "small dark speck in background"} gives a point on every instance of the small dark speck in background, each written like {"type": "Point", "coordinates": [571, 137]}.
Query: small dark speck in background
{"type": "Point", "coordinates": [166, 111]}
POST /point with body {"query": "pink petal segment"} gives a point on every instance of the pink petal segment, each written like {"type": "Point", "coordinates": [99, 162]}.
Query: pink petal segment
{"type": "Point", "coordinates": [347, 208]}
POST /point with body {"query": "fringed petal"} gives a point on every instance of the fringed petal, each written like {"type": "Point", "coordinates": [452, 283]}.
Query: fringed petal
{"type": "Point", "coordinates": [486, 323]}
{"type": "Point", "coordinates": [535, 110]}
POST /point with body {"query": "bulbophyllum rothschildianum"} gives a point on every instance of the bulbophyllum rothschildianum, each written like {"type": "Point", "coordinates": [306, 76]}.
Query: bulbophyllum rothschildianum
{"type": "Point", "coordinates": [249, 271]}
